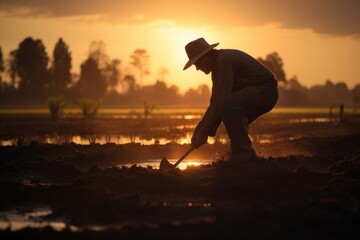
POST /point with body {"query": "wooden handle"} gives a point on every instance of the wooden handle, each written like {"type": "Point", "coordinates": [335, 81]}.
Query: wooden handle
{"type": "Point", "coordinates": [184, 156]}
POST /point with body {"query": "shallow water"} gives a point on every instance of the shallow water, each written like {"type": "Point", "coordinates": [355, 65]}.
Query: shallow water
{"type": "Point", "coordinates": [121, 139]}
{"type": "Point", "coordinates": [16, 220]}
{"type": "Point", "coordinates": [155, 163]}
{"type": "Point", "coordinates": [117, 139]}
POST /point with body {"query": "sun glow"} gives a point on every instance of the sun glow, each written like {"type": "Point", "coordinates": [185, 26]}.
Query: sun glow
{"type": "Point", "coordinates": [192, 163]}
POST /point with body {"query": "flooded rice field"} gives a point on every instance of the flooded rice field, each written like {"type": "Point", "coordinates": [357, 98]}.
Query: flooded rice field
{"type": "Point", "coordinates": [100, 179]}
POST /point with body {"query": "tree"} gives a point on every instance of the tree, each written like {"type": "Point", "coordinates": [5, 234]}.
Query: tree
{"type": "Point", "coordinates": [31, 65]}
{"type": "Point", "coordinates": [97, 51]}
{"type": "Point", "coordinates": [12, 70]}
{"type": "Point", "coordinates": [113, 74]}
{"type": "Point", "coordinates": [198, 97]}
{"type": "Point", "coordinates": [92, 83]}
{"type": "Point", "coordinates": [356, 95]}
{"type": "Point", "coordinates": [109, 68]}
{"type": "Point", "coordinates": [140, 60]}
{"type": "Point", "coordinates": [275, 64]}
{"type": "Point", "coordinates": [61, 67]}
{"type": "Point", "coordinates": [1, 68]}
{"type": "Point", "coordinates": [130, 85]}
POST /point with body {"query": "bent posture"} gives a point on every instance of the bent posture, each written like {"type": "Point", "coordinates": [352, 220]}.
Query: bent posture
{"type": "Point", "coordinates": [243, 89]}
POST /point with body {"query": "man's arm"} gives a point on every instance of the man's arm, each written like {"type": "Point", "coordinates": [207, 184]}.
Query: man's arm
{"type": "Point", "coordinates": [223, 79]}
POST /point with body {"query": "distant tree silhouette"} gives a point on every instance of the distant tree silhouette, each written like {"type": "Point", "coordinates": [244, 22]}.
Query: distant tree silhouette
{"type": "Point", "coordinates": [61, 68]}
{"type": "Point", "coordinates": [204, 91]}
{"type": "Point", "coordinates": [12, 70]}
{"type": "Point", "coordinates": [130, 84]}
{"type": "Point", "coordinates": [336, 93]}
{"type": "Point", "coordinates": [275, 64]}
{"type": "Point", "coordinates": [97, 51]}
{"type": "Point", "coordinates": [113, 74]}
{"type": "Point", "coordinates": [31, 65]}
{"type": "Point", "coordinates": [356, 95]}
{"type": "Point", "coordinates": [92, 83]}
{"type": "Point", "coordinates": [109, 68]}
{"type": "Point", "coordinates": [197, 97]}
{"type": "Point", "coordinates": [140, 60]}
{"type": "Point", "coordinates": [1, 68]}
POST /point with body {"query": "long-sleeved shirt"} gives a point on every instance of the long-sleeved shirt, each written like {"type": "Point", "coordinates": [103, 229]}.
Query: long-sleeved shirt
{"type": "Point", "coordinates": [233, 70]}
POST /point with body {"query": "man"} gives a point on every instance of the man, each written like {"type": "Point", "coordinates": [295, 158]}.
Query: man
{"type": "Point", "coordinates": [243, 89]}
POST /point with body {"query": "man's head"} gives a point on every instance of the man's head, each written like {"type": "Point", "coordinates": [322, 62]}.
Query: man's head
{"type": "Point", "coordinates": [197, 53]}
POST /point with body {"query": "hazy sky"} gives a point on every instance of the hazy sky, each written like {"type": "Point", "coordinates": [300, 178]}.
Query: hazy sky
{"type": "Point", "coordinates": [317, 39]}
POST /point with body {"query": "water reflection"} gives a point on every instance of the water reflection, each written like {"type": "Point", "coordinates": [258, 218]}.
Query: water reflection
{"type": "Point", "coordinates": [116, 139]}
{"type": "Point", "coordinates": [124, 139]}
{"type": "Point", "coordinates": [34, 219]}
{"type": "Point", "coordinates": [179, 138]}
{"type": "Point", "coordinates": [309, 120]}
{"type": "Point", "coordinates": [155, 163]}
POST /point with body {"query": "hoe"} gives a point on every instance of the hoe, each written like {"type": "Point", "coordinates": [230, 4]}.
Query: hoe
{"type": "Point", "coordinates": [166, 165]}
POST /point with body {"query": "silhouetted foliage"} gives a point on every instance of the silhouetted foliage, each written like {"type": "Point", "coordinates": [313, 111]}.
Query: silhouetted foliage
{"type": "Point", "coordinates": [140, 60]}
{"type": "Point", "coordinates": [31, 65]}
{"type": "Point", "coordinates": [292, 94]}
{"type": "Point", "coordinates": [1, 68]}
{"type": "Point", "coordinates": [356, 95]}
{"type": "Point", "coordinates": [334, 93]}
{"type": "Point", "coordinates": [201, 95]}
{"type": "Point", "coordinates": [129, 84]}
{"type": "Point", "coordinates": [12, 71]}
{"type": "Point", "coordinates": [149, 107]}
{"type": "Point", "coordinates": [61, 68]}
{"type": "Point", "coordinates": [109, 68]}
{"type": "Point", "coordinates": [89, 107]}
{"type": "Point", "coordinates": [56, 106]}
{"type": "Point", "coordinates": [275, 64]}
{"type": "Point", "coordinates": [97, 51]}
{"type": "Point", "coordinates": [112, 74]}
{"type": "Point", "coordinates": [91, 84]}
{"type": "Point", "coordinates": [1, 61]}
{"type": "Point", "coordinates": [29, 81]}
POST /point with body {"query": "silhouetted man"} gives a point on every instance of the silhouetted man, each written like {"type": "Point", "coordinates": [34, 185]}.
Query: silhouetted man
{"type": "Point", "coordinates": [243, 89]}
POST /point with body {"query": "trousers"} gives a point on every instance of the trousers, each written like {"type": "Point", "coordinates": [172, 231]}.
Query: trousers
{"type": "Point", "coordinates": [241, 108]}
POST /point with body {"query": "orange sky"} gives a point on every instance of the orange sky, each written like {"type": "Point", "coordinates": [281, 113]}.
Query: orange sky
{"type": "Point", "coordinates": [317, 40]}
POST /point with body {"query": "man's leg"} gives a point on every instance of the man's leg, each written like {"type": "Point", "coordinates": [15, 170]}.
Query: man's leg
{"type": "Point", "coordinates": [237, 126]}
{"type": "Point", "coordinates": [237, 110]}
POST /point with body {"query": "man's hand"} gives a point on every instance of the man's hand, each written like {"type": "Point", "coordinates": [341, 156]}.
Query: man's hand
{"type": "Point", "coordinates": [198, 139]}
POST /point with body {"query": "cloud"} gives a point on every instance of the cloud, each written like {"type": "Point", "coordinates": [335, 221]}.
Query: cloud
{"type": "Point", "coordinates": [334, 17]}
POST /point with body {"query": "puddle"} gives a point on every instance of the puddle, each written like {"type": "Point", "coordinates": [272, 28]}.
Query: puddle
{"type": "Point", "coordinates": [124, 139]}
{"type": "Point", "coordinates": [36, 218]}
{"type": "Point", "coordinates": [155, 163]}
{"type": "Point", "coordinates": [16, 220]}
{"type": "Point", "coordinates": [310, 120]}
{"type": "Point", "coordinates": [117, 139]}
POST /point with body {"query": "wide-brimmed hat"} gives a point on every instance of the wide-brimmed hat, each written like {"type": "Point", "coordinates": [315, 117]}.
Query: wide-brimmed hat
{"type": "Point", "coordinates": [196, 49]}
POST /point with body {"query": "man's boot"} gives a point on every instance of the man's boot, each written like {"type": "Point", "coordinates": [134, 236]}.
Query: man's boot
{"type": "Point", "coordinates": [237, 127]}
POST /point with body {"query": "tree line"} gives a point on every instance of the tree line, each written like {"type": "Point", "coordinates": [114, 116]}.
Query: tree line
{"type": "Point", "coordinates": [28, 77]}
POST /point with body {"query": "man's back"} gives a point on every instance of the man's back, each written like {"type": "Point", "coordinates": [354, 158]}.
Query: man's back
{"type": "Point", "coordinates": [239, 69]}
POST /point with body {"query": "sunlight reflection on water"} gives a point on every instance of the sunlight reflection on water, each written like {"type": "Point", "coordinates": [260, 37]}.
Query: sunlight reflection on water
{"type": "Point", "coordinates": [155, 163]}
{"type": "Point", "coordinates": [116, 139]}
{"type": "Point", "coordinates": [16, 221]}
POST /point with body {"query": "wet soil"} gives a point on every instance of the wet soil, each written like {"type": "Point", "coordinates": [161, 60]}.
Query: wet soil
{"type": "Point", "coordinates": [304, 188]}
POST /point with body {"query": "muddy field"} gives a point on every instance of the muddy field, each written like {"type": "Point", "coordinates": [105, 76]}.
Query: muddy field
{"type": "Point", "coordinates": [304, 184]}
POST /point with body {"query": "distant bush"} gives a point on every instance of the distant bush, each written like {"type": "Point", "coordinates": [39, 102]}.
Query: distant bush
{"type": "Point", "coordinates": [56, 106]}
{"type": "Point", "coordinates": [148, 108]}
{"type": "Point", "coordinates": [89, 107]}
